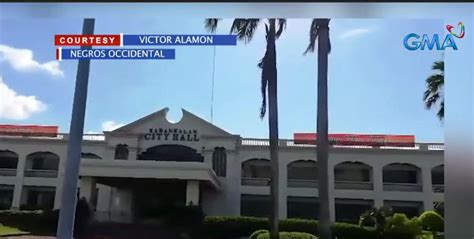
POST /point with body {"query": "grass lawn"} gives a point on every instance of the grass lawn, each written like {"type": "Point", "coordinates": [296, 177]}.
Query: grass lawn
{"type": "Point", "coordinates": [5, 231]}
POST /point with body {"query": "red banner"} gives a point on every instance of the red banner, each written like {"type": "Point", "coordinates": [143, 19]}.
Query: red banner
{"type": "Point", "coordinates": [359, 139]}
{"type": "Point", "coordinates": [87, 40]}
{"type": "Point", "coordinates": [29, 130]}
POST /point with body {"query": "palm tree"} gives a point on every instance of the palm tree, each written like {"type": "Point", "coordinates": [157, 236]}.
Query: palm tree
{"type": "Point", "coordinates": [320, 28]}
{"type": "Point", "coordinates": [245, 30]}
{"type": "Point", "coordinates": [434, 89]}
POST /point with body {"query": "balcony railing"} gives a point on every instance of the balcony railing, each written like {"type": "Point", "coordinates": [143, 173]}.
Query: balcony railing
{"type": "Point", "coordinates": [8, 172]}
{"type": "Point", "coordinates": [291, 143]}
{"type": "Point", "coordinates": [353, 185]}
{"type": "Point", "coordinates": [255, 181]}
{"type": "Point", "coordinates": [403, 187]}
{"type": "Point", "coordinates": [41, 173]}
{"type": "Point", "coordinates": [302, 183]}
{"type": "Point", "coordinates": [438, 188]}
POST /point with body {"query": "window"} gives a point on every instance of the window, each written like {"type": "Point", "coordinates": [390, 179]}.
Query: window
{"type": "Point", "coordinates": [256, 168]}
{"type": "Point", "coordinates": [401, 173]}
{"type": "Point", "coordinates": [349, 210]}
{"type": "Point", "coordinates": [255, 205]}
{"type": "Point", "coordinates": [352, 171]}
{"type": "Point", "coordinates": [121, 152]}
{"type": "Point", "coordinates": [219, 161]}
{"type": "Point", "coordinates": [303, 207]}
{"type": "Point", "coordinates": [409, 208]}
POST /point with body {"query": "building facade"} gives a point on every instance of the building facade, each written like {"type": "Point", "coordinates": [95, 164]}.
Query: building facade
{"type": "Point", "coordinates": [152, 162]}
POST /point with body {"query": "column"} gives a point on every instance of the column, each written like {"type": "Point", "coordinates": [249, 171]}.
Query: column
{"type": "Point", "coordinates": [87, 188]}
{"type": "Point", "coordinates": [377, 178]}
{"type": "Point", "coordinates": [332, 200]}
{"type": "Point", "coordinates": [59, 181]}
{"type": "Point", "coordinates": [233, 181]}
{"type": "Point", "coordinates": [283, 196]}
{"type": "Point", "coordinates": [20, 170]}
{"type": "Point", "coordinates": [132, 153]}
{"type": "Point", "coordinates": [427, 188]}
{"type": "Point", "coordinates": [192, 192]}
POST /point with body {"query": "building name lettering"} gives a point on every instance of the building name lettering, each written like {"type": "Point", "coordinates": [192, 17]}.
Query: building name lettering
{"type": "Point", "coordinates": [172, 134]}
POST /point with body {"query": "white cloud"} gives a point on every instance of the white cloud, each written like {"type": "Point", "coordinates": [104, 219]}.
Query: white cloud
{"type": "Point", "coordinates": [111, 125]}
{"type": "Point", "coordinates": [17, 107]}
{"type": "Point", "coordinates": [355, 32]}
{"type": "Point", "coordinates": [22, 60]}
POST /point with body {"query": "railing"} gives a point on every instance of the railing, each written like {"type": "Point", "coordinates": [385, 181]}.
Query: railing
{"type": "Point", "coordinates": [255, 181]}
{"type": "Point", "coordinates": [89, 137]}
{"type": "Point", "coordinates": [302, 183]}
{"type": "Point", "coordinates": [8, 172]}
{"type": "Point", "coordinates": [61, 136]}
{"type": "Point", "coordinates": [291, 143]}
{"type": "Point", "coordinates": [402, 187]}
{"type": "Point", "coordinates": [41, 173]}
{"type": "Point", "coordinates": [438, 188]}
{"type": "Point", "coordinates": [353, 185]}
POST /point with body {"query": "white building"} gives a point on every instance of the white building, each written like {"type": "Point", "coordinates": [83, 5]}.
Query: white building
{"type": "Point", "coordinates": [127, 171]}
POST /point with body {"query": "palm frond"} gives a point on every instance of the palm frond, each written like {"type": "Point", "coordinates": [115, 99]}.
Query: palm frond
{"type": "Point", "coordinates": [314, 31]}
{"type": "Point", "coordinates": [281, 22]}
{"type": "Point", "coordinates": [434, 89]}
{"type": "Point", "coordinates": [244, 28]}
{"type": "Point", "coordinates": [439, 65]}
{"type": "Point", "coordinates": [440, 113]}
{"type": "Point", "coordinates": [313, 35]}
{"type": "Point", "coordinates": [211, 24]}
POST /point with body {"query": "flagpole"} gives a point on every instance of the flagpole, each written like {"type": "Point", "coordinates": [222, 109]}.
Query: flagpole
{"type": "Point", "coordinates": [71, 174]}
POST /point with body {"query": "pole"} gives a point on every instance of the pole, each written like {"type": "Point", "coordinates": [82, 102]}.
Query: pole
{"type": "Point", "coordinates": [322, 148]}
{"type": "Point", "coordinates": [71, 175]}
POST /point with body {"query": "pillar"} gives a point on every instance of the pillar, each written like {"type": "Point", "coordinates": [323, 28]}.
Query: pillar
{"type": "Point", "coordinates": [20, 171]}
{"type": "Point", "coordinates": [192, 192]}
{"type": "Point", "coordinates": [283, 196]}
{"type": "Point", "coordinates": [427, 188]}
{"type": "Point", "coordinates": [377, 178]}
{"type": "Point", "coordinates": [87, 188]}
{"type": "Point", "coordinates": [59, 182]}
{"type": "Point", "coordinates": [332, 200]}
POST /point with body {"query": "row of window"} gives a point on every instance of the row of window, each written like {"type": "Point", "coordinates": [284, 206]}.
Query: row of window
{"type": "Point", "coordinates": [37, 164]}
{"type": "Point", "coordinates": [298, 171]}
{"type": "Point", "coordinates": [32, 198]}
{"type": "Point", "coordinates": [307, 170]}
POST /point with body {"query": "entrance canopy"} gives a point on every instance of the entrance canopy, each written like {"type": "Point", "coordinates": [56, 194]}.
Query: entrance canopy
{"type": "Point", "coordinates": [149, 169]}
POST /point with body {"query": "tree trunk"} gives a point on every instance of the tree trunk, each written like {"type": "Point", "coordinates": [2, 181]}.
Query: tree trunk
{"type": "Point", "coordinates": [322, 148]}
{"type": "Point", "coordinates": [273, 129]}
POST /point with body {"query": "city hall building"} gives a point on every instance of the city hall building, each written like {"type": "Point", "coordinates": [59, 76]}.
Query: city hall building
{"type": "Point", "coordinates": [151, 162]}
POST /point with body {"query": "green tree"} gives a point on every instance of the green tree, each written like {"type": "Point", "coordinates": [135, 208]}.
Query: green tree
{"type": "Point", "coordinates": [378, 218]}
{"type": "Point", "coordinates": [245, 30]}
{"type": "Point", "coordinates": [434, 93]}
{"type": "Point", "coordinates": [320, 28]}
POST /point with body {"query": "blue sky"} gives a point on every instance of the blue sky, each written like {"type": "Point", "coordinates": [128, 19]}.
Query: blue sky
{"type": "Point", "coordinates": [375, 84]}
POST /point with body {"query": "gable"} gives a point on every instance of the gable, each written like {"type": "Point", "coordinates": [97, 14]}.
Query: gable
{"type": "Point", "coordinates": [158, 123]}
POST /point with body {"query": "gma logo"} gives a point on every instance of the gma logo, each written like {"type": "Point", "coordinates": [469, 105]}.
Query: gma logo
{"type": "Point", "coordinates": [413, 42]}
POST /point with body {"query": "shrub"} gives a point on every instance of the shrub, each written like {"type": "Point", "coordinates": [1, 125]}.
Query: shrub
{"type": "Point", "coordinates": [432, 221]}
{"type": "Point", "coordinates": [36, 221]}
{"type": "Point", "coordinates": [399, 226]}
{"type": "Point", "coordinates": [288, 235]}
{"type": "Point", "coordinates": [299, 225]}
{"type": "Point", "coordinates": [180, 216]}
{"type": "Point", "coordinates": [257, 233]}
{"type": "Point", "coordinates": [233, 226]}
{"type": "Point", "coordinates": [352, 231]}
